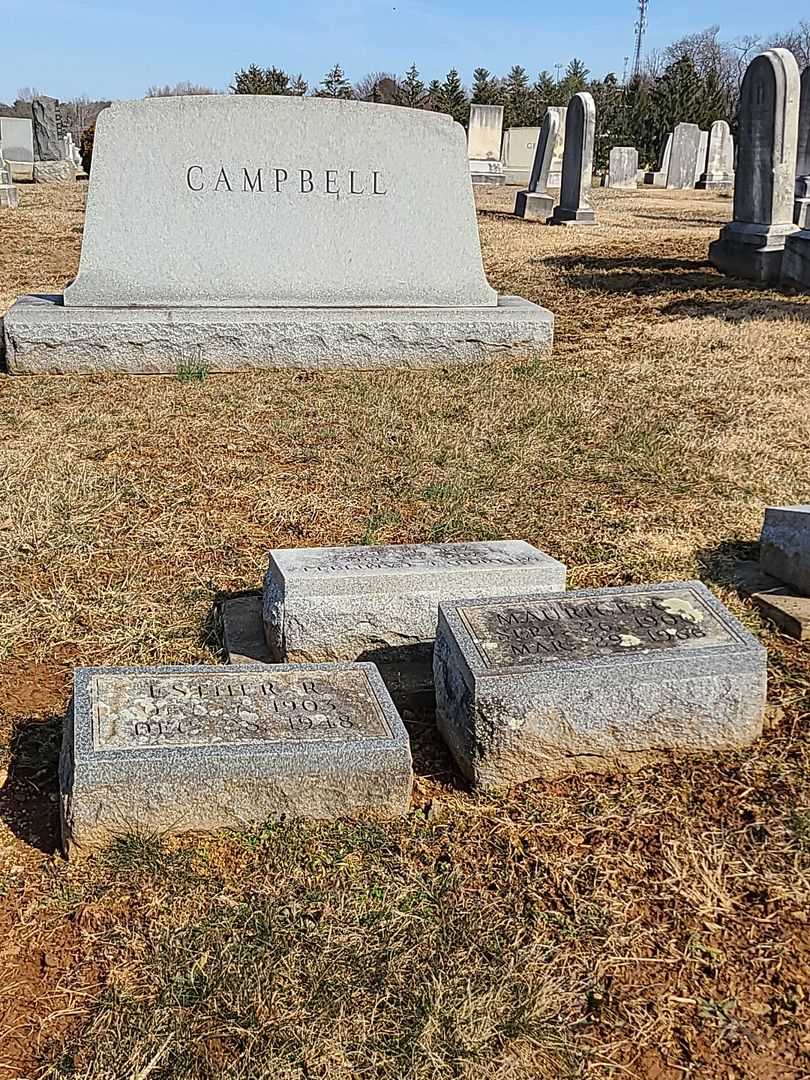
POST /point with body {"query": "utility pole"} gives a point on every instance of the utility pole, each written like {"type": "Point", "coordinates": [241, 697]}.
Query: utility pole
{"type": "Point", "coordinates": [641, 26]}
{"type": "Point", "coordinates": [624, 73]}
{"type": "Point", "coordinates": [558, 68]}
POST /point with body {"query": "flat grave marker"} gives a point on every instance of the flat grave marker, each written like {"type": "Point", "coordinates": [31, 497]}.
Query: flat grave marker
{"type": "Point", "coordinates": [174, 749]}
{"type": "Point", "coordinates": [593, 680]}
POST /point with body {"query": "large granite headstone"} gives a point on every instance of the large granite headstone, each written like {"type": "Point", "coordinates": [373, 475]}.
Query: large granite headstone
{"type": "Point", "coordinates": [519, 148]}
{"type": "Point", "coordinates": [801, 209]}
{"type": "Point", "coordinates": [623, 168]}
{"type": "Point", "coordinates": [237, 231]}
{"type": "Point", "coordinates": [752, 245]}
{"type": "Point", "coordinates": [598, 680]}
{"type": "Point", "coordinates": [47, 140]}
{"type": "Point", "coordinates": [484, 140]}
{"type": "Point", "coordinates": [719, 171]}
{"type": "Point", "coordinates": [683, 157]}
{"type": "Point", "coordinates": [157, 750]}
{"type": "Point", "coordinates": [580, 129]}
{"type": "Point", "coordinates": [17, 145]}
{"type": "Point", "coordinates": [535, 203]}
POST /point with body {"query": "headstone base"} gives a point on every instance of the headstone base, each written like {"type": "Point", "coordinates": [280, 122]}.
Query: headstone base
{"type": "Point", "coordinates": [655, 179]}
{"type": "Point", "coordinates": [54, 172]}
{"type": "Point", "coordinates": [583, 216]}
{"type": "Point", "coordinates": [801, 212]}
{"type": "Point", "coordinates": [21, 171]}
{"type": "Point", "coordinates": [716, 182]}
{"type": "Point", "coordinates": [487, 172]}
{"type": "Point", "coordinates": [43, 336]}
{"type": "Point", "coordinates": [517, 177]}
{"type": "Point", "coordinates": [796, 260]}
{"type": "Point", "coordinates": [9, 197]}
{"type": "Point", "coordinates": [750, 251]}
{"type": "Point", "coordinates": [534, 205]}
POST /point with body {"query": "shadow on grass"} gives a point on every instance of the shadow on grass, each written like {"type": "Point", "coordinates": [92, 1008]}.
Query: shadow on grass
{"type": "Point", "coordinates": [731, 563]}
{"type": "Point", "coordinates": [769, 306]}
{"type": "Point", "coordinates": [29, 798]}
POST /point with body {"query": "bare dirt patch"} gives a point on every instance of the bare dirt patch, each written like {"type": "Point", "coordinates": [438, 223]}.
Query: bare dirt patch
{"type": "Point", "coordinates": [654, 926]}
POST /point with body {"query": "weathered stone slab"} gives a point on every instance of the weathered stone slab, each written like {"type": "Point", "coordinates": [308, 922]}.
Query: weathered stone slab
{"type": "Point", "coordinates": [519, 147]}
{"type": "Point", "coordinates": [658, 178]}
{"type": "Point", "coordinates": [719, 171]}
{"type": "Point", "coordinates": [595, 680]}
{"type": "Point", "coordinates": [44, 337]}
{"type": "Point", "coordinates": [791, 614]}
{"type": "Point", "coordinates": [17, 139]}
{"type": "Point", "coordinates": [47, 142]}
{"type": "Point", "coordinates": [558, 150]}
{"type": "Point", "coordinates": [784, 546]}
{"type": "Point", "coordinates": [178, 749]}
{"type": "Point", "coordinates": [753, 244]}
{"type": "Point", "coordinates": [485, 133]}
{"type": "Point", "coordinates": [702, 154]}
{"type": "Point", "coordinates": [367, 602]}
{"type": "Point", "coordinates": [623, 168]}
{"type": "Point", "coordinates": [683, 156]}
{"type": "Point", "coordinates": [54, 172]}
{"type": "Point", "coordinates": [580, 130]}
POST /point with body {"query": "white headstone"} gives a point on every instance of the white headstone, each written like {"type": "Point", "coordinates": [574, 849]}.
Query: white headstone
{"type": "Point", "coordinates": [719, 171]}
{"type": "Point", "coordinates": [623, 168]}
{"type": "Point", "coordinates": [484, 139]}
{"type": "Point", "coordinates": [519, 146]}
{"type": "Point", "coordinates": [555, 172]}
{"type": "Point", "coordinates": [683, 156]}
{"type": "Point", "coordinates": [17, 141]}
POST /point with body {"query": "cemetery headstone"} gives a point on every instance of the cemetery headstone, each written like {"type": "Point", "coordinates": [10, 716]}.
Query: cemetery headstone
{"type": "Point", "coordinates": [683, 157]}
{"type": "Point", "coordinates": [623, 168]}
{"type": "Point", "coordinates": [156, 750]}
{"type": "Point", "coordinates": [54, 172]}
{"type": "Point", "coordinates": [17, 143]}
{"type": "Point", "coordinates": [658, 178]}
{"type": "Point", "coordinates": [9, 196]}
{"type": "Point", "coordinates": [519, 147]}
{"type": "Point", "coordinates": [368, 266]}
{"type": "Point", "coordinates": [785, 545]}
{"type": "Point", "coordinates": [484, 139]}
{"type": "Point", "coordinates": [719, 171]}
{"type": "Point", "coordinates": [593, 680]}
{"type": "Point", "coordinates": [555, 171]}
{"type": "Point", "coordinates": [380, 603]}
{"type": "Point", "coordinates": [535, 204]}
{"type": "Point", "coordinates": [753, 244]}
{"type": "Point", "coordinates": [801, 210]}
{"type": "Point", "coordinates": [702, 154]}
{"type": "Point", "coordinates": [580, 125]}
{"type": "Point", "coordinates": [47, 140]}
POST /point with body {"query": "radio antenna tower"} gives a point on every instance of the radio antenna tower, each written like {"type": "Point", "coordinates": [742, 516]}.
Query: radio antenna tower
{"type": "Point", "coordinates": [641, 26]}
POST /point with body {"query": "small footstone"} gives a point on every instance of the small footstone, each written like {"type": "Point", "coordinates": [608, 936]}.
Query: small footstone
{"type": "Point", "coordinates": [784, 546]}
{"type": "Point", "coordinates": [54, 172]}
{"type": "Point", "coordinates": [243, 630]}
{"type": "Point", "coordinates": [598, 680]}
{"type": "Point", "coordinates": [184, 749]}
{"type": "Point", "coordinates": [381, 602]}
{"type": "Point", "coordinates": [790, 613]}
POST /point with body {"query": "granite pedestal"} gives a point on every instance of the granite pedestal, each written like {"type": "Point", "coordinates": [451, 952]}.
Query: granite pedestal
{"type": "Point", "coordinates": [601, 680]}
{"type": "Point", "coordinates": [785, 545]}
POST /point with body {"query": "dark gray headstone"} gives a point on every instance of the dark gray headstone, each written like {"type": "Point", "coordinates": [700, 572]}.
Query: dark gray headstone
{"type": "Point", "coordinates": [752, 245]}
{"type": "Point", "coordinates": [577, 171]}
{"type": "Point", "coordinates": [535, 204]}
{"type": "Point", "coordinates": [48, 144]}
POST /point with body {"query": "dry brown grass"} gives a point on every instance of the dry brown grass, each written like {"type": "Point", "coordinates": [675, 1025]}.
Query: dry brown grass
{"type": "Point", "coordinates": [653, 927]}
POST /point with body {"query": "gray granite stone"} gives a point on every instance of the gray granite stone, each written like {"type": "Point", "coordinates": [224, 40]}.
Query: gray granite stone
{"type": "Point", "coordinates": [801, 206]}
{"type": "Point", "coordinates": [535, 204]}
{"type": "Point", "coordinates": [785, 545]}
{"type": "Point", "coordinates": [796, 259]}
{"type": "Point", "coordinates": [594, 680]}
{"type": "Point", "coordinates": [179, 749]}
{"type": "Point", "coordinates": [307, 202]}
{"type": "Point", "coordinates": [519, 149]}
{"type": "Point", "coordinates": [702, 154]}
{"type": "Point", "coordinates": [719, 170]}
{"type": "Point", "coordinates": [54, 172]}
{"type": "Point", "coordinates": [658, 178]}
{"type": "Point", "coordinates": [752, 245]}
{"type": "Point", "coordinates": [683, 156]}
{"type": "Point", "coordinates": [44, 337]}
{"type": "Point", "coordinates": [580, 130]}
{"type": "Point", "coordinates": [623, 168]}
{"type": "Point", "coordinates": [363, 602]}
{"type": "Point", "coordinates": [47, 141]}
{"type": "Point", "coordinates": [243, 629]}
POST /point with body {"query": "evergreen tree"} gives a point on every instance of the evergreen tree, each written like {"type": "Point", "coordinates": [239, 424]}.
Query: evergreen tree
{"type": "Point", "coordinates": [545, 92]}
{"type": "Point", "coordinates": [520, 107]}
{"type": "Point", "coordinates": [298, 86]}
{"type": "Point", "coordinates": [252, 80]}
{"type": "Point", "coordinates": [486, 89]}
{"type": "Point", "coordinates": [574, 80]}
{"type": "Point", "coordinates": [412, 92]}
{"type": "Point", "coordinates": [335, 84]}
{"type": "Point", "coordinates": [454, 97]}
{"type": "Point", "coordinates": [677, 96]}
{"type": "Point", "coordinates": [608, 98]}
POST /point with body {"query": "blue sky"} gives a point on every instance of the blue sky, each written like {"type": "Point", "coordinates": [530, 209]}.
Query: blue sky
{"type": "Point", "coordinates": [117, 49]}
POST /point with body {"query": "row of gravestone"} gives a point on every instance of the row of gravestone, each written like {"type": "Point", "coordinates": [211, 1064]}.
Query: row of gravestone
{"type": "Point", "coordinates": [693, 158]}
{"type": "Point", "coordinates": [769, 237]}
{"type": "Point", "coordinates": [530, 681]}
{"type": "Point", "coordinates": [39, 148]}
{"type": "Point", "coordinates": [536, 203]}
